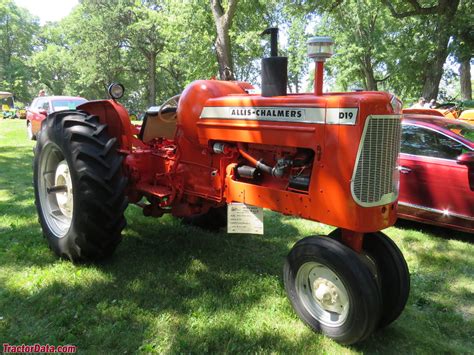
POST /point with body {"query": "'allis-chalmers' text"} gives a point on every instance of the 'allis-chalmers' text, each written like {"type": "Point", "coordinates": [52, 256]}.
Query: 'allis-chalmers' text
{"type": "Point", "coordinates": [268, 113]}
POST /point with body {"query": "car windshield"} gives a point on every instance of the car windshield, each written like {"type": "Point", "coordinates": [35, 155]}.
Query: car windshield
{"type": "Point", "coordinates": [67, 104]}
{"type": "Point", "coordinates": [462, 129]}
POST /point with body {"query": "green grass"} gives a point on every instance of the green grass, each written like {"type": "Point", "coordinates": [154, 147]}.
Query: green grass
{"type": "Point", "coordinates": [174, 288]}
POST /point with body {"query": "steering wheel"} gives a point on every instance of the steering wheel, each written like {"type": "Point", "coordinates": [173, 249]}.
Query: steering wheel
{"type": "Point", "coordinates": [170, 104]}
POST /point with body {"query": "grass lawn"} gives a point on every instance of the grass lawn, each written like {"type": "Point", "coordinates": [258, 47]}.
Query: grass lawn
{"type": "Point", "coordinates": [174, 288]}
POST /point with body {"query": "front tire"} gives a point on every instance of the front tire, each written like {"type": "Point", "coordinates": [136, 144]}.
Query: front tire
{"type": "Point", "coordinates": [390, 271]}
{"type": "Point", "coordinates": [394, 275]}
{"type": "Point", "coordinates": [331, 290]}
{"type": "Point", "coordinates": [79, 186]}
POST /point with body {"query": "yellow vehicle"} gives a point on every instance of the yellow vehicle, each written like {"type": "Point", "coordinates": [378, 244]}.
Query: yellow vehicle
{"type": "Point", "coordinates": [7, 105]}
{"type": "Point", "coordinates": [460, 111]}
{"type": "Point", "coordinates": [467, 115]}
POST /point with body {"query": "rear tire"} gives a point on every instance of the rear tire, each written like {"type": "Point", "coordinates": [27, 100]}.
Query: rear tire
{"type": "Point", "coordinates": [331, 290]}
{"type": "Point", "coordinates": [390, 271]}
{"type": "Point", "coordinates": [82, 217]}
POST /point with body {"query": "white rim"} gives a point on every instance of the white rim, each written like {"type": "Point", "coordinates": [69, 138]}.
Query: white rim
{"type": "Point", "coordinates": [55, 190]}
{"type": "Point", "coordinates": [322, 293]}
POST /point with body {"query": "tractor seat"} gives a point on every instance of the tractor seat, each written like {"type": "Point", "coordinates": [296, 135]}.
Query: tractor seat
{"type": "Point", "coordinates": [153, 127]}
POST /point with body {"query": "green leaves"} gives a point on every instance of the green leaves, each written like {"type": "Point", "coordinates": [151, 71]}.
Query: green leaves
{"type": "Point", "coordinates": [156, 47]}
{"type": "Point", "coordinates": [17, 28]}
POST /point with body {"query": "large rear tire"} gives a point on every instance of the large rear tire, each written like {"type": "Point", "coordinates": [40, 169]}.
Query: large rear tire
{"type": "Point", "coordinates": [332, 290]}
{"type": "Point", "coordinates": [79, 186]}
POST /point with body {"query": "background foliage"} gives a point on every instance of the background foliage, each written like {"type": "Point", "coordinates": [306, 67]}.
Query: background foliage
{"type": "Point", "coordinates": [156, 47]}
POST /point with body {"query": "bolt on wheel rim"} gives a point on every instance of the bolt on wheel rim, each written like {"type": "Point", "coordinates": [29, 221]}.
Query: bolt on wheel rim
{"type": "Point", "coordinates": [322, 293]}
{"type": "Point", "coordinates": [55, 190]}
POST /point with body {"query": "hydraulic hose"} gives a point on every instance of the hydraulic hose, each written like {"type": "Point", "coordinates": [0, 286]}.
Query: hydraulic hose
{"type": "Point", "coordinates": [257, 163]}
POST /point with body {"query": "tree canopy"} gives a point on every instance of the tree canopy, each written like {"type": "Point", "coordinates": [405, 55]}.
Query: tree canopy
{"type": "Point", "coordinates": [156, 47]}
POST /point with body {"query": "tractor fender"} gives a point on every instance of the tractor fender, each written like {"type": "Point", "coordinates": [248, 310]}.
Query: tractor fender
{"type": "Point", "coordinates": [115, 116]}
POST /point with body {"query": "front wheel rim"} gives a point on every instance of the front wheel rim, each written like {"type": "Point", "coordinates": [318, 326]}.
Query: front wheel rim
{"type": "Point", "coordinates": [322, 294]}
{"type": "Point", "coordinates": [55, 191]}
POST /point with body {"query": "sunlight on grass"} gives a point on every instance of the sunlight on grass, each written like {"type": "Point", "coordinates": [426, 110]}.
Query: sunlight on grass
{"type": "Point", "coordinates": [32, 280]}
{"type": "Point", "coordinates": [171, 288]}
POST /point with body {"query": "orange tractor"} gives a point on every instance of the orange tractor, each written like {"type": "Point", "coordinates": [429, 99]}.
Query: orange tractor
{"type": "Point", "coordinates": [330, 158]}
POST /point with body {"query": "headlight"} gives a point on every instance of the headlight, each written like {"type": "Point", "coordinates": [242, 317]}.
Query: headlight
{"type": "Point", "coordinates": [116, 90]}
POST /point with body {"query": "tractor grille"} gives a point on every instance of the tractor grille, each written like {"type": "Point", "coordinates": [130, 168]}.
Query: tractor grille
{"type": "Point", "coordinates": [375, 178]}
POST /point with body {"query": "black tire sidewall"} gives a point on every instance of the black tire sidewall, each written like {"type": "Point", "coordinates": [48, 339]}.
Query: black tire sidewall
{"type": "Point", "coordinates": [394, 275]}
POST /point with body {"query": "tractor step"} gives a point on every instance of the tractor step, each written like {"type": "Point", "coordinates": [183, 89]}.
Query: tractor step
{"type": "Point", "coordinates": [159, 191]}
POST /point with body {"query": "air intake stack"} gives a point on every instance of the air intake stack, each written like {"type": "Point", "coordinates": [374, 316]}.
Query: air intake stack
{"type": "Point", "coordinates": [319, 49]}
{"type": "Point", "coordinates": [274, 68]}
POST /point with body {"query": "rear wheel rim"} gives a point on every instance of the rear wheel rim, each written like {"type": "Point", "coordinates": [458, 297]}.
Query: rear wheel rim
{"type": "Point", "coordinates": [323, 294]}
{"type": "Point", "coordinates": [57, 206]}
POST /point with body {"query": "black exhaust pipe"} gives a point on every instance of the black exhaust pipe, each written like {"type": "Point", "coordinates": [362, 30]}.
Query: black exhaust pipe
{"type": "Point", "coordinates": [274, 68]}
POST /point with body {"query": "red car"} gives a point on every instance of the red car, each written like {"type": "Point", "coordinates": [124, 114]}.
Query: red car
{"type": "Point", "coordinates": [43, 106]}
{"type": "Point", "coordinates": [437, 172]}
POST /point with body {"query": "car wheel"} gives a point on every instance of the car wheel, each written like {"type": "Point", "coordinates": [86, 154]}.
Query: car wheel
{"type": "Point", "coordinates": [29, 130]}
{"type": "Point", "coordinates": [390, 270]}
{"type": "Point", "coordinates": [332, 290]}
{"type": "Point", "coordinates": [79, 186]}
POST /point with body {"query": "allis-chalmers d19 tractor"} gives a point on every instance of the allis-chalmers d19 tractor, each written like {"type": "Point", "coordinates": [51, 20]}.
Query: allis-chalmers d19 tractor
{"type": "Point", "coordinates": [330, 158]}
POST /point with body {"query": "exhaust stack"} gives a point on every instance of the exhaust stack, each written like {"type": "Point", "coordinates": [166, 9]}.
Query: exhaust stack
{"type": "Point", "coordinates": [274, 68]}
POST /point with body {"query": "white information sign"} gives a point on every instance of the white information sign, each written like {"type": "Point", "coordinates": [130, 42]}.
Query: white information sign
{"type": "Point", "coordinates": [242, 218]}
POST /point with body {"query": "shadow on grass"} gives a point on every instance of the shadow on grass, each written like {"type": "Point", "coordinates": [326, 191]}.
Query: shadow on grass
{"type": "Point", "coordinates": [171, 287]}
{"type": "Point", "coordinates": [436, 231]}
{"type": "Point", "coordinates": [166, 269]}
{"type": "Point", "coordinates": [175, 288]}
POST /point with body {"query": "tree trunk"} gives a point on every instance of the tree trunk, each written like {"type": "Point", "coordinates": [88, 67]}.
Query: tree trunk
{"type": "Point", "coordinates": [152, 79]}
{"type": "Point", "coordinates": [297, 84]}
{"type": "Point", "coordinates": [224, 57]}
{"type": "Point", "coordinates": [223, 21]}
{"type": "Point", "coordinates": [442, 32]}
{"type": "Point", "coordinates": [368, 71]}
{"type": "Point", "coordinates": [434, 68]}
{"type": "Point", "coordinates": [371, 83]}
{"type": "Point", "coordinates": [443, 11]}
{"type": "Point", "coordinates": [465, 76]}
